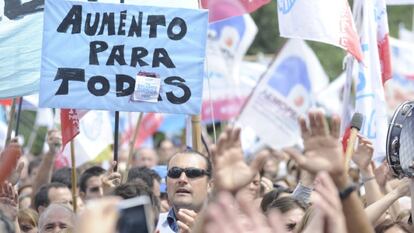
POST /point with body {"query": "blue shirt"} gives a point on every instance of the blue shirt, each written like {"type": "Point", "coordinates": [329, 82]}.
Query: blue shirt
{"type": "Point", "coordinates": [167, 222]}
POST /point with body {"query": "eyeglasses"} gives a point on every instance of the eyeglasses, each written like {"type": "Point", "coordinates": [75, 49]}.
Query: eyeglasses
{"type": "Point", "coordinates": [175, 172]}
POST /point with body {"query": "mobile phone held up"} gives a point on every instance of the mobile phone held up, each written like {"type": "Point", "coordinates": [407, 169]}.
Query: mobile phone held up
{"type": "Point", "coordinates": [135, 216]}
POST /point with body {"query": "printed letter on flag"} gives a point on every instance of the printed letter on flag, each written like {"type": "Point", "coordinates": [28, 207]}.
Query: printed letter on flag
{"type": "Point", "coordinates": [319, 20]}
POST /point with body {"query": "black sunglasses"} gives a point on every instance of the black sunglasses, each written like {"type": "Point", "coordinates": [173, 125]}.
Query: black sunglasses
{"type": "Point", "coordinates": [175, 172]}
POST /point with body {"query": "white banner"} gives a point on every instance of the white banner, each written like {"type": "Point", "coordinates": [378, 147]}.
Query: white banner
{"type": "Point", "coordinates": [320, 20]}
{"type": "Point", "coordinates": [227, 44]}
{"type": "Point", "coordinates": [286, 91]}
{"type": "Point", "coordinates": [94, 137]}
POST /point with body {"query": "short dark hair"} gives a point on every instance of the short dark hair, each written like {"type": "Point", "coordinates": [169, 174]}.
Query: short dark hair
{"type": "Point", "coordinates": [33, 164]}
{"type": "Point", "coordinates": [209, 165]}
{"type": "Point", "coordinates": [139, 188]}
{"type": "Point", "coordinates": [64, 176]}
{"type": "Point", "coordinates": [87, 174]}
{"type": "Point", "coordinates": [142, 173]}
{"type": "Point", "coordinates": [42, 197]}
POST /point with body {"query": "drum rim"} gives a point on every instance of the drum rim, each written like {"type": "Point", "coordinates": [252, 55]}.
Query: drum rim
{"type": "Point", "coordinates": [391, 126]}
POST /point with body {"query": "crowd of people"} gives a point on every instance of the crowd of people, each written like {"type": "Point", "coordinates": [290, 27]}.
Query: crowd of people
{"type": "Point", "coordinates": [217, 189]}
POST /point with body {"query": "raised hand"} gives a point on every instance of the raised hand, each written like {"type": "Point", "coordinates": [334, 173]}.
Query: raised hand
{"type": "Point", "coordinates": [54, 141]}
{"type": "Point", "coordinates": [230, 170]}
{"type": "Point", "coordinates": [16, 173]}
{"type": "Point", "coordinates": [403, 187]}
{"type": "Point", "coordinates": [111, 179]}
{"type": "Point", "coordinates": [186, 220]}
{"type": "Point", "coordinates": [382, 173]}
{"type": "Point", "coordinates": [100, 215]}
{"type": "Point", "coordinates": [8, 200]}
{"type": "Point", "coordinates": [363, 155]}
{"type": "Point", "coordinates": [328, 215]}
{"type": "Point", "coordinates": [323, 151]}
{"type": "Point", "coordinates": [230, 216]}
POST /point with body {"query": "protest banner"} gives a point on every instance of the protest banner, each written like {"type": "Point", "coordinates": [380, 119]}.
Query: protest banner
{"type": "Point", "coordinates": [285, 91]}
{"type": "Point", "coordinates": [21, 24]}
{"type": "Point", "coordinates": [123, 57]}
{"type": "Point", "coordinates": [325, 21]}
{"type": "Point", "coordinates": [227, 44]}
{"type": "Point", "coordinates": [20, 47]}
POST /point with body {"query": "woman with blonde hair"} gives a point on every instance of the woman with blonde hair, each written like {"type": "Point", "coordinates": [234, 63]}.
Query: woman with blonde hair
{"type": "Point", "coordinates": [28, 220]}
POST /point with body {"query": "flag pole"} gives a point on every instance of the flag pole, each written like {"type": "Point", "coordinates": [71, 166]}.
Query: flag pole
{"type": "Point", "coordinates": [11, 117]}
{"type": "Point", "coordinates": [116, 133]}
{"type": "Point", "coordinates": [346, 95]}
{"type": "Point", "coordinates": [116, 139]}
{"type": "Point", "coordinates": [132, 144]}
{"type": "Point", "coordinates": [19, 110]}
{"type": "Point", "coordinates": [74, 181]}
{"type": "Point", "coordinates": [196, 132]}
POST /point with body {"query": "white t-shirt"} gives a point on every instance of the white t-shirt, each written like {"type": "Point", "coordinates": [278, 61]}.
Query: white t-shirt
{"type": "Point", "coordinates": [162, 225]}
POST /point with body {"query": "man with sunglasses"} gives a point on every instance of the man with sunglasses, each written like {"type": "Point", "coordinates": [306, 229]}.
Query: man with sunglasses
{"type": "Point", "coordinates": [188, 183]}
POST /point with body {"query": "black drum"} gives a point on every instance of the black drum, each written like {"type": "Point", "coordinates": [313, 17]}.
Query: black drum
{"type": "Point", "coordinates": [400, 141]}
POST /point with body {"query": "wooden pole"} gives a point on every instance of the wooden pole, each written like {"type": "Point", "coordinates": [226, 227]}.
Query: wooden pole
{"type": "Point", "coordinates": [116, 133]}
{"type": "Point", "coordinates": [11, 118]}
{"type": "Point", "coordinates": [132, 145]}
{"type": "Point", "coordinates": [74, 179]}
{"type": "Point", "coordinates": [19, 110]}
{"type": "Point", "coordinates": [196, 132]}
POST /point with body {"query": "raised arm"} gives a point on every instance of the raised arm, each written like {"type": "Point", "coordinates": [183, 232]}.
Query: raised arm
{"type": "Point", "coordinates": [323, 152]}
{"type": "Point", "coordinates": [378, 208]}
{"type": "Point", "coordinates": [44, 175]}
{"type": "Point", "coordinates": [362, 158]}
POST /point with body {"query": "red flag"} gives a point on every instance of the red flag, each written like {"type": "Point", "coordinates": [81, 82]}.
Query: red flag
{"type": "Point", "coordinates": [222, 9]}
{"type": "Point", "coordinates": [6, 102]}
{"type": "Point", "coordinates": [383, 40]}
{"type": "Point", "coordinates": [69, 125]}
{"type": "Point", "coordinates": [149, 125]}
